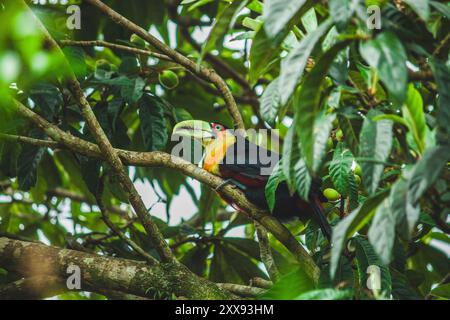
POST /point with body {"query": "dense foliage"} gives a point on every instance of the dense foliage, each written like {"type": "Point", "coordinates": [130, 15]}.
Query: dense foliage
{"type": "Point", "coordinates": [366, 110]}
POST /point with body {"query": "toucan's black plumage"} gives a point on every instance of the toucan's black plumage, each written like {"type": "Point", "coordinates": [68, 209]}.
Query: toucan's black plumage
{"type": "Point", "coordinates": [246, 165]}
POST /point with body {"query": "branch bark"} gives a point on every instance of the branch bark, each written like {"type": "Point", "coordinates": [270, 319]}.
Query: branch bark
{"type": "Point", "coordinates": [106, 273]}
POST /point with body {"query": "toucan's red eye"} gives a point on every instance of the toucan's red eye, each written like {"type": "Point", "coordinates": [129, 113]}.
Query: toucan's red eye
{"type": "Point", "coordinates": [217, 127]}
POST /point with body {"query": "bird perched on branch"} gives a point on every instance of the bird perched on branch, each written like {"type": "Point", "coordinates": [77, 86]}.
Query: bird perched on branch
{"type": "Point", "coordinates": [244, 165]}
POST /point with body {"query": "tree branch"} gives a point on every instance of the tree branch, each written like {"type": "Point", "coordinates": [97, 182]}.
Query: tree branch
{"type": "Point", "coordinates": [266, 252]}
{"type": "Point", "coordinates": [241, 290]}
{"type": "Point", "coordinates": [106, 273]}
{"type": "Point", "coordinates": [101, 43]}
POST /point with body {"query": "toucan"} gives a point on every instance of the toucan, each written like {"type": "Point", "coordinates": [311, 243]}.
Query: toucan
{"type": "Point", "coordinates": [244, 170]}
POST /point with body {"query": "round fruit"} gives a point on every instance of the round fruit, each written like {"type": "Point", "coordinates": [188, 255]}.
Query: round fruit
{"type": "Point", "coordinates": [331, 194]}
{"type": "Point", "coordinates": [357, 179]}
{"type": "Point", "coordinates": [137, 41]}
{"type": "Point", "coordinates": [330, 144]}
{"type": "Point", "coordinates": [168, 79]}
{"type": "Point", "coordinates": [103, 65]}
{"type": "Point", "coordinates": [358, 170]}
{"type": "Point", "coordinates": [339, 135]}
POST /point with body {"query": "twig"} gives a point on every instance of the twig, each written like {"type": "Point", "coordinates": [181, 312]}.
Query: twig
{"type": "Point", "coordinates": [101, 43]}
{"type": "Point", "coordinates": [241, 290]}
{"type": "Point", "coordinates": [266, 253]}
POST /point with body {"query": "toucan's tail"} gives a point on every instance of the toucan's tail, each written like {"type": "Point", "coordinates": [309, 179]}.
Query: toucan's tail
{"type": "Point", "coordinates": [320, 217]}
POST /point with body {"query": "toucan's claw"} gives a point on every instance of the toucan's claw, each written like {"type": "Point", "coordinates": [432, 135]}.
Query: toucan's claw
{"type": "Point", "coordinates": [232, 182]}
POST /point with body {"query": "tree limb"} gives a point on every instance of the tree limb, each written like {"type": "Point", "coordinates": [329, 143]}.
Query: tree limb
{"type": "Point", "coordinates": [106, 273]}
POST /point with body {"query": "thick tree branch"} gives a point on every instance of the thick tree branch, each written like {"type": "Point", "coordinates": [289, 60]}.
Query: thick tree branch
{"type": "Point", "coordinates": [106, 273]}
{"type": "Point", "coordinates": [33, 288]}
{"type": "Point", "coordinates": [202, 72]}
{"type": "Point", "coordinates": [241, 290]}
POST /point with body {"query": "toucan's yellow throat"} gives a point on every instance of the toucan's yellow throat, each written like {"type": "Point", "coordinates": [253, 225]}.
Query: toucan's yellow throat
{"type": "Point", "coordinates": [214, 137]}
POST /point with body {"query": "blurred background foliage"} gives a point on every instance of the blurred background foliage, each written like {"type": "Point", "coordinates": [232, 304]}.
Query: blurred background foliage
{"type": "Point", "coordinates": [366, 110]}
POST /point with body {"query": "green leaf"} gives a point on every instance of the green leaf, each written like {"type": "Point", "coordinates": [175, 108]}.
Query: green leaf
{"type": "Point", "coordinates": [270, 102]}
{"type": "Point", "coordinates": [421, 7]}
{"type": "Point", "coordinates": [277, 14]}
{"type": "Point", "coordinates": [427, 170]}
{"type": "Point", "coordinates": [326, 294]}
{"type": "Point", "coordinates": [442, 291]}
{"type": "Point", "coordinates": [47, 98]}
{"type": "Point", "coordinates": [342, 11]}
{"type": "Point", "coordinates": [133, 90]}
{"type": "Point", "coordinates": [386, 54]}
{"type": "Point", "coordinates": [290, 286]}
{"type": "Point", "coordinates": [382, 232]}
{"type": "Point", "coordinates": [414, 116]}
{"type": "Point", "coordinates": [442, 74]}
{"type": "Point", "coordinates": [375, 142]}
{"type": "Point", "coordinates": [322, 128]}
{"type": "Point", "coordinates": [195, 259]}
{"type": "Point", "coordinates": [262, 55]}
{"type": "Point", "coordinates": [153, 123]}
{"type": "Point", "coordinates": [348, 226]}
{"type": "Point", "coordinates": [405, 214]}
{"type": "Point", "coordinates": [369, 264]}
{"type": "Point", "coordinates": [307, 103]}
{"type": "Point", "coordinates": [442, 8]}
{"type": "Point", "coordinates": [302, 179]}
{"type": "Point", "coordinates": [294, 64]}
{"type": "Point", "coordinates": [340, 168]}
{"type": "Point", "coordinates": [350, 136]}
{"type": "Point", "coordinates": [272, 184]}
{"type": "Point", "coordinates": [291, 154]}
{"type": "Point", "coordinates": [220, 28]}
{"type": "Point", "coordinates": [28, 162]}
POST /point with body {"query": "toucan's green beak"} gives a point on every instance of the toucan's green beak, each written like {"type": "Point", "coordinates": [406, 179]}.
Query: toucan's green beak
{"type": "Point", "coordinates": [196, 129]}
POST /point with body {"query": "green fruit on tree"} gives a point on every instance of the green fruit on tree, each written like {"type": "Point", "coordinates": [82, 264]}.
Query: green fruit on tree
{"type": "Point", "coordinates": [339, 135]}
{"type": "Point", "coordinates": [330, 144]}
{"type": "Point", "coordinates": [168, 79]}
{"type": "Point", "coordinates": [358, 170]}
{"type": "Point", "coordinates": [331, 194]}
{"type": "Point", "coordinates": [103, 65]}
{"type": "Point", "coordinates": [357, 179]}
{"type": "Point", "coordinates": [137, 41]}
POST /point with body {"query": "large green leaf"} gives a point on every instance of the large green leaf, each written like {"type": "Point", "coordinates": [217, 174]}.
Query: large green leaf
{"type": "Point", "coordinates": [375, 143]}
{"type": "Point", "coordinates": [270, 102]}
{"type": "Point", "coordinates": [348, 226]}
{"type": "Point", "coordinates": [369, 264]}
{"type": "Point", "coordinates": [387, 54]}
{"type": "Point", "coordinates": [302, 179]}
{"type": "Point", "coordinates": [421, 7]}
{"type": "Point", "coordinates": [291, 154]}
{"type": "Point", "coordinates": [28, 162]}
{"type": "Point", "coordinates": [220, 27]}
{"type": "Point", "coordinates": [293, 66]}
{"type": "Point", "coordinates": [307, 104]}
{"type": "Point", "coordinates": [272, 184]}
{"type": "Point", "coordinates": [442, 74]}
{"type": "Point", "coordinates": [342, 11]}
{"type": "Point", "coordinates": [153, 123]}
{"type": "Point", "coordinates": [382, 232]}
{"type": "Point", "coordinates": [326, 294]}
{"type": "Point", "coordinates": [414, 116]}
{"type": "Point", "coordinates": [340, 168]}
{"type": "Point", "coordinates": [262, 55]}
{"type": "Point", "coordinates": [290, 286]}
{"type": "Point", "coordinates": [322, 128]}
{"type": "Point", "coordinates": [277, 14]}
